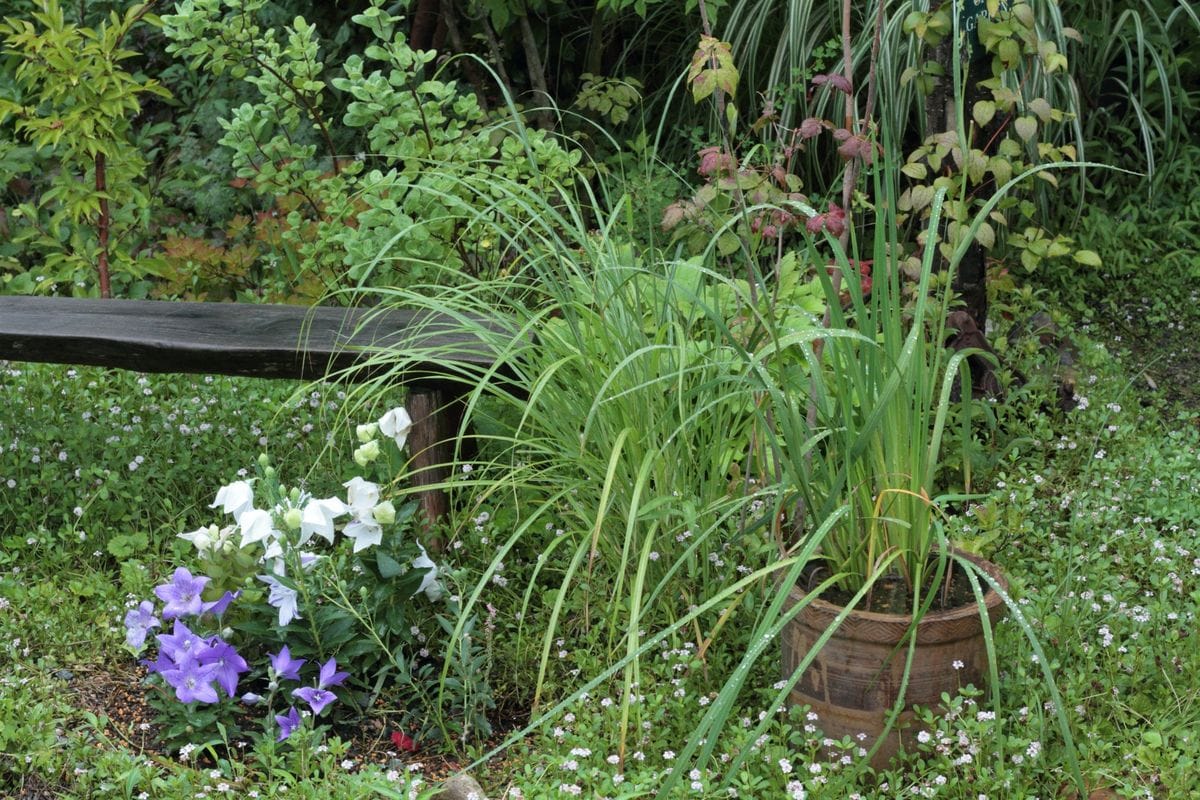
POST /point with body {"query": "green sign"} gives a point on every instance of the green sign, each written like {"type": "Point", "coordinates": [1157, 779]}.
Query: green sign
{"type": "Point", "coordinates": [969, 14]}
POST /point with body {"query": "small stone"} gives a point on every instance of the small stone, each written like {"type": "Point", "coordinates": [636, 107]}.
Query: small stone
{"type": "Point", "coordinates": [460, 787]}
{"type": "Point", "coordinates": [65, 675]}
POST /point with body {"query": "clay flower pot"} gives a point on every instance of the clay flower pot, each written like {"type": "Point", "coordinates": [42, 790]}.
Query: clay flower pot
{"type": "Point", "coordinates": [854, 681]}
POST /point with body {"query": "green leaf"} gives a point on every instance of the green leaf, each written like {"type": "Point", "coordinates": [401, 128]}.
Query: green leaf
{"type": "Point", "coordinates": [1009, 53]}
{"type": "Point", "coordinates": [728, 243]}
{"type": "Point", "coordinates": [986, 236]}
{"type": "Point", "coordinates": [1001, 169]}
{"type": "Point", "coordinates": [976, 165]}
{"type": "Point", "coordinates": [983, 112]}
{"type": "Point", "coordinates": [388, 566]}
{"type": "Point", "coordinates": [1088, 257]}
{"type": "Point", "coordinates": [1026, 127]}
{"type": "Point", "coordinates": [1041, 108]}
{"type": "Point", "coordinates": [921, 197]}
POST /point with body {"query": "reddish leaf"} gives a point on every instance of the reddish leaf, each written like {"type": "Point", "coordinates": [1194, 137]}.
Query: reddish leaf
{"type": "Point", "coordinates": [404, 742]}
{"type": "Point", "coordinates": [835, 220]}
{"type": "Point", "coordinates": [713, 160]}
{"type": "Point", "coordinates": [835, 80]}
{"type": "Point", "coordinates": [857, 146]}
{"type": "Point", "coordinates": [672, 216]}
{"type": "Point", "coordinates": [811, 128]}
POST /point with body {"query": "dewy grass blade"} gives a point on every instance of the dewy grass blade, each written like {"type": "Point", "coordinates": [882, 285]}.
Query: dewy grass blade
{"type": "Point", "coordinates": [1014, 609]}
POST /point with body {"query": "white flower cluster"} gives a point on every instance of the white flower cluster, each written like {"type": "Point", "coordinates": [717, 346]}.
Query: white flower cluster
{"type": "Point", "coordinates": [312, 516]}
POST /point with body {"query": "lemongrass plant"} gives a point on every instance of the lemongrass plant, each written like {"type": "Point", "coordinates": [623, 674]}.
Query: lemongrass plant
{"type": "Point", "coordinates": [869, 433]}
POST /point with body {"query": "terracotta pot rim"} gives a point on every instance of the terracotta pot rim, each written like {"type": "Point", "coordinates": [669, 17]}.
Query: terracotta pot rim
{"type": "Point", "coordinates": [991, 599]}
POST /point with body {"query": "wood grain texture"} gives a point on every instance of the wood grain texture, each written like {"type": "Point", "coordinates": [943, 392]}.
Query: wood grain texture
{"type": "Point", "coordinates": [265, 341]}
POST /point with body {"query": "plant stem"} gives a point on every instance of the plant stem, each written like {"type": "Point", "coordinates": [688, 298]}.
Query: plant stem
{"type": "Point", "coordinates": [849, 180]}
{"type": "Point", "coordinates": [303, 102]}
{"type": "Point", "coordinates": [727, 142]}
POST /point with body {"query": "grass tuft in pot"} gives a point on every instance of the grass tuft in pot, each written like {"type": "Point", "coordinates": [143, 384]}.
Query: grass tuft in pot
{"type": "Point", "coordinates": [869, 428]}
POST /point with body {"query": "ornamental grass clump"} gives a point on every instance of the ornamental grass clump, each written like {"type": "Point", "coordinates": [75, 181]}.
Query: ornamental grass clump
{"type": "Point", "coordinates": [868, 435]}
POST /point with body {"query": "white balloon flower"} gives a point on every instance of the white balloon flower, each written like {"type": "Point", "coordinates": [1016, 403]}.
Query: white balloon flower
{"type": "Point", "coordinates": [318, 516]}
{"type": "Point", "coordinates": [235, 498]}
{"type": "Point", "coordinates": [361, 495]}
{"type": "Point", "coordinates": [430, 584]}
{"type": "Point", "coordinates": [396, 424]}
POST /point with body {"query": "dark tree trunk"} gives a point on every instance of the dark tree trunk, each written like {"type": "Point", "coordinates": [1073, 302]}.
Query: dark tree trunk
{"type": "Point", "coordinates": [424, 24]}
{"type": "Point", "coordinates": [436, 419]}
{"type": "Point", "coordinates": [470, 68]}
{"type": "Point", "coordinates": [970, 278]}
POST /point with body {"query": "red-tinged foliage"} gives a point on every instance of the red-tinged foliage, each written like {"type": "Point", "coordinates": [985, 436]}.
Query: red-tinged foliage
{"type": "Point", "coordinates": [404, 742]}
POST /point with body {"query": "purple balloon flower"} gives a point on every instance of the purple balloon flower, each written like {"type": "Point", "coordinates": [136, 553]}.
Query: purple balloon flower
{"type": "Point", "coordinates": [287, 723]}
{"type": "Point", "coordinates": [180, 643]}
{"type": "Point", "coordinates": [285, 666]}
{"type": "Point", "coordinates": [193, 681]}
{"type": "Point", "coordinates": [218, 606]}
{"type": "Point", "coordinates": [330, 676]}
{"type": "Point", "coordinates": [317, 699]}
{"type": "Point", "coordinates": [182, 594]}
{"type": "Point", "coordinates": [161, 662]}
{"type": "Point", "coordinates": [138, 623]}
{"type": "Point", "coordinates": [226, 662]}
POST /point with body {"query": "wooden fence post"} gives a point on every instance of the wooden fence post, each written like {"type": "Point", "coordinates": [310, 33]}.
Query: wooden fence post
{"type": "Point", "coordinates": [437, 418]}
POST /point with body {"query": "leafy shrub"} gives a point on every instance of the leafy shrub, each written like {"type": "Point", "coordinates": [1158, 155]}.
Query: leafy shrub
{"type": "Point", "coordinates": [78, 102]}
{"type": "Point", "coordinates": [428, 149]}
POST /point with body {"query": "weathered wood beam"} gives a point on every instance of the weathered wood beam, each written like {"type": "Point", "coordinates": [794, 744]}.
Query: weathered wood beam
{"type": "Point", "coordinates": [265, 341]}
{"type": "Point", "coordinates": [262, 341]}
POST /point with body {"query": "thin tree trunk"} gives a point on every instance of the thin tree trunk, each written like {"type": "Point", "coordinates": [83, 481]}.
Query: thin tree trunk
{"type": "Point", "coordinates": [102, 226]}
{"type": "Point", "coordinates": [494, 50]}
{"type": "Point", "coordinates": [594, 62]}
{"type": "Point", "coordinates": [469, 67]}
{"type": "Point", "coordinates": [970, 278]}
{"type": "Point", "coordinates": [537, 73]}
